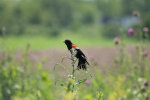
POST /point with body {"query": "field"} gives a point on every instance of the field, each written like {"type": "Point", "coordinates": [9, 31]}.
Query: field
{"type": "Point", "coordinates": [35, 63]}
{"type": "Point", "coordinates": [38, 68]}
{"type": "Point", "coordinates": [46, 42]}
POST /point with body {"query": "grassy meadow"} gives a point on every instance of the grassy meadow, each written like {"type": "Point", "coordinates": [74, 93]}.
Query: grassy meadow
{"type": "Point", "coordinates": [46, 42]}
{"type": "Point", "coordinates": [38, 68]}
{"type": "Point", "coordinates": [36, 65]}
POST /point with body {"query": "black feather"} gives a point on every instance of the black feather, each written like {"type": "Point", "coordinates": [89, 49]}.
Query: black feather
{"type": "Point", "coordinates": [82, 60]}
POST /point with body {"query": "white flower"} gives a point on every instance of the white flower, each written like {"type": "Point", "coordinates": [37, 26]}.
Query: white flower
{"type": "Point", "coordinates": [139, 95]}
{"type": "Point", "coordinates": [134, 92]}
{"type": "Point", "coordinates": [140, 79]}
{"type": "Point", "coordinates": [75, 83]}
{"type": "Point", "coordinates": [70, 76]}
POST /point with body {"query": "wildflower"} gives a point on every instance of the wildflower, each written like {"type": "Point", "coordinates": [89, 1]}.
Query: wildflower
{"type": "Point", "coordinates": [135, 92]}
{"type": "Point", "coordinates": [76, 83]}
{"type": "Point", "coordinates": [131, 31]}
{"type": "Point", "coordinates": [116, 40]}
{"type": "Point", "coordinates": [140, 79]}
{"type": "Point", "coordinates": [87, 82]}
{"type": "Point", "coordinates": [139, 95]}
{"type": "Point", "coordinates": [145, 53]}
{"type": "Point", "coordinates": [145, 29]}
{"type": "Point", "coordinates": [136, 13]}
{"type": "Point", "coordinates": [134, 85]}
{"type": "Point", "coordinates": [103, 72]}
{"type": "Point", "coordinates": [70, 76]}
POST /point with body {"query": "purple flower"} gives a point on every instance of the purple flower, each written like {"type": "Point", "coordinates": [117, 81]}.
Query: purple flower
{"type": "Point", "coordinates": [131, 31]}
{"type": "Point", "coordinates": [145, 29]}
{"type": "Point", "coordinates": [134, 85]}
{"type": "Point", "coordinates": [87, 82]}
{"type": "Point", "coordinates": [116, 40]}
{"type": "Point", "coordinates": [145, 53]}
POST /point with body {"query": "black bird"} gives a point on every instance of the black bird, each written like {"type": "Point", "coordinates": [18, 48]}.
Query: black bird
{"type": "Point", "coordinates": [82, 59]}
{"type": "Point", "coordinates": [69, 45]}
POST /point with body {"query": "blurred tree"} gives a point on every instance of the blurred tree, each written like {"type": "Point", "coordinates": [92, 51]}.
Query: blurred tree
{"type": "Point", "coordinates": [88, 18]}
{"type": "Point", "coordinates": [46, 16]}
{"type": "Point", "coordinates": [61, 11]}
{"type": "Point", "coordinates": [110, 12]}
{"type": "Point", "coordinates": [109, 8]}
{"type": "Point", "coordinates": [3, 11]}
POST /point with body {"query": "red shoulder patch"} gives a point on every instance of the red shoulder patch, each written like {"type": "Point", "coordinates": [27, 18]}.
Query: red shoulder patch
{"type": "Point", "coordinates": [74, 46]}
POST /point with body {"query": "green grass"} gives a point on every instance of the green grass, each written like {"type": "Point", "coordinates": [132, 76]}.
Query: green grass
{"type": "Point", "coordinates": [43, 42]}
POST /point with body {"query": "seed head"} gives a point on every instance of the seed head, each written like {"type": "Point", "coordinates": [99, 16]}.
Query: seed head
{"type": "Point", "coordinates": [116, 40]}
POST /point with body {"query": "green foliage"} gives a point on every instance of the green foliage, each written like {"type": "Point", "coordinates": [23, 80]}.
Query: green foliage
{"type": "Point", "coordinates": [17, 82]}
{"type": "Point", "coordinates": [127, 79]}
{"type": "Point", "coordinates": [46, 14]}
{"type": "Point", "coordinates": [10, 77]}
{"type": "Point", "coordinates": [110, 8]}
{"type": "Point", "coordinates": [51, 17]}
{"type": "Point", "coordinates": [110, 30]}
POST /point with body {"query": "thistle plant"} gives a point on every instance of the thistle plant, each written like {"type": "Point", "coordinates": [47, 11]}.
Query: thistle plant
{"type": "Point", "coordinates": [73, 83]}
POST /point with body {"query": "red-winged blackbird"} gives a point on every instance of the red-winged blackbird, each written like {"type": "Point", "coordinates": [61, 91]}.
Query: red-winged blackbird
{"type": "Point", "coordinates": [82, 60]}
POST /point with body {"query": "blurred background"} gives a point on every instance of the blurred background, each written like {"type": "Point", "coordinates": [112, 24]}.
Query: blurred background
{"type": "Point", "coordinates": [103, 19]}
{"type": "Point", "coordinates": [113, 34]}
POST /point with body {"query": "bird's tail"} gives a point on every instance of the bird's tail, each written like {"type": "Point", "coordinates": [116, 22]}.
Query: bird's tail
{"type": "Point", "coordinates": [82, 63]}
